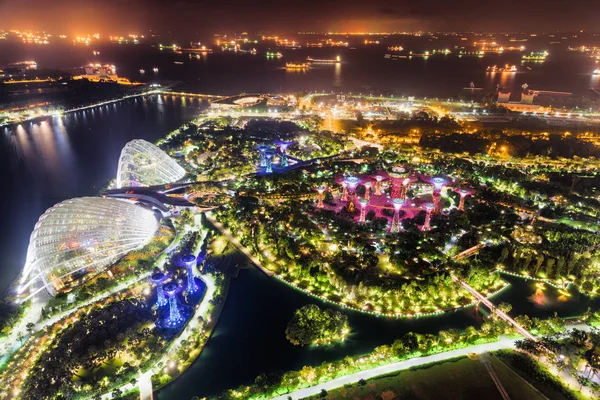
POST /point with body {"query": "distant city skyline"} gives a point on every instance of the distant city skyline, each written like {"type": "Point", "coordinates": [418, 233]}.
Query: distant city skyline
{"type": "Point", "coordinates": [192, 17]}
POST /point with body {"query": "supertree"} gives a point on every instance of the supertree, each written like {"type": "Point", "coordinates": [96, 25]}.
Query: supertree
{"type": "Point", "coordinates": [464, 192]}
{"type": "Point", "coordinates": [320, 190]}
{"type": "Point", "coordinates": [397, 203]}
{"type": "Point", "coordinates": [438, 183]}
{"type": "Point", "coordinates": [397, 175]}
{"type": "Point", "coordinates": [363, 208]}
{"type": "Point", "coordinates": [352, 182]}
{"type": "Point", "coordinates": [429, 207]}
{"type": "Point", "coordinates": [190, 262]}
{"type": "Point", "coordinates": [367, 190]}
{"type": "Point", "coordinates": [175, 317]}
{"type": "Point", "coordinates": [405, 183]}
{"type": "Point", "coordinates": [344, 191]}
{"type": "Point", "coordinates": [378, 180]}
{"type": "Point", "coordinates": [158, 278]}
{"type": "Point", "coordinates": [262, 149]}
{"type": "Point", "coordinates": [269, 157]}
{"type": "Point", "coordinates": [283, 149]}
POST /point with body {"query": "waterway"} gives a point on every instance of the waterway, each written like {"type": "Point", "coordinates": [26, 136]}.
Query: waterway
{"type": "Point", "coordinates": [54, 159]}
{"type": "Point", "coordinates": [364, 69]}
{"type": "Point", "coordinates": [250, 336]}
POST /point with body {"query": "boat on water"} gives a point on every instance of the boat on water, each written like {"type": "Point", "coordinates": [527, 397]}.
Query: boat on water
{"type": "Point", "coordinates": [596, 71]}
{"type": "Point", "coordinates": [142, 71]}
{"type": "Point", "coordinates": [155, 69]}
{"type": "Point", "coordinates": [273, 54]}
{"type": "Point", "coordinates": [506, 68]}
{"type": "Point", "coordinates": [296, 65]}
{"type": "Point", "coordinates": [177, 62]}
{"type": "Point", "coordinates": [535, 56]}
{"type": "Point", "coordinates": [24, 65]}
{"type": "Point", "coordinates": [335, 60]}
{"type": "Point", "coordinates": [394, 56]}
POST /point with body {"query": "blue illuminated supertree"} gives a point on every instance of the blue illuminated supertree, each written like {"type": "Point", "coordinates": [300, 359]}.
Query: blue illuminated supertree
{"type": "Point", "coordinates": [283, 148]}
{"type": "Point", "coordinates": [158, 278]}
{"type": "Point", "coordinates": [262, 149]}
{"type": "Point", "coordinates": [175, 317]}
{"type": "Point", "coordinates": [190, 261]}
{"type": "Point", "coordinates": [269, 156]}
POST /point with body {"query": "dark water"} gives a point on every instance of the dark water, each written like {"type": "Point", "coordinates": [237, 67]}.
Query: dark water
{"type": "Point", "coordinates": [48, 161]}
{"type": "Point", "coordinates": [363, 69]}
{"type": "Point", "coordinates": [249, 338]}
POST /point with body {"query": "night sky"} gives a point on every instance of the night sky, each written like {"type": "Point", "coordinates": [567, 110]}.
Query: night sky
{"type": "Point", "coordinates": [203, 16]}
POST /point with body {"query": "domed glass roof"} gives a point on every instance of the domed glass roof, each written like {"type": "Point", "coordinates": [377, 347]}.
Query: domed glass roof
{"type": "Point", "coordinates": [143, 164]}
{"type": "Point", "coordinates": [83, 236]}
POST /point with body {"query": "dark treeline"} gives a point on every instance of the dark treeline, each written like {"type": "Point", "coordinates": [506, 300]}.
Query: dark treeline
{"type": "Point", "coordinates": [555, 145]}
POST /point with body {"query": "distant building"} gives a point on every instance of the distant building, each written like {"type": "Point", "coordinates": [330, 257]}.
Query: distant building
{"type": "Point", "coordinates": [527, 98]}
{"type": "Point", "coordinates": [503, 97]}
{"type": "Point", "coordinates": [101, 71]}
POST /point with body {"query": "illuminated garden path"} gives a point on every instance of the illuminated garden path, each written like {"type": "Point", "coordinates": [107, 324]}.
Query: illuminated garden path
{"type": "Point", "coordinates": [237, 244]}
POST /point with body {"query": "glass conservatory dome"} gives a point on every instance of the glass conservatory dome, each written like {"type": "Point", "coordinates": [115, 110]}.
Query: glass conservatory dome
{"type": "Point", "coordinates": [143, 164]}
{"type": "Point", "coordinates": [83, 236]}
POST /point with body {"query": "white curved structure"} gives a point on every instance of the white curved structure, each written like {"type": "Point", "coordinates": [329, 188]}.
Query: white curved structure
{"type": "Point", "coordinates": [143, 164]}
{"type": "Point", "coordinates": [83, 236]}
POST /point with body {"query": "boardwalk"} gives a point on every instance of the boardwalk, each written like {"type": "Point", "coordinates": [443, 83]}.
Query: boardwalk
{"type": "Point", "coordinates": [522, 331]}
{"type": "Point", "coordinates": [468, 252]}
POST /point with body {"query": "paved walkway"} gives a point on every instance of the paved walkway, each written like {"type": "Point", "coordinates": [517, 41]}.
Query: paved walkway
{"type": "Point", "coordinates": [237, 244]}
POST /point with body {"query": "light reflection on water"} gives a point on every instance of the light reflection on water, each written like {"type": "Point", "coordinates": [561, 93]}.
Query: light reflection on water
{"type": "Point", "coordinates": [61, 157]}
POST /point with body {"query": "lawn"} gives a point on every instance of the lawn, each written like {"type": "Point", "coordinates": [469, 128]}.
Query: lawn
{"type": "Point", "coordinates": [549, 390]}
{"type": "Point", "coordinates": [516, 386]}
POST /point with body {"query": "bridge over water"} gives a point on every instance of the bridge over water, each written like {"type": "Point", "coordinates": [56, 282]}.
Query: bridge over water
{"type": "Point", "coordinates": [484, 300]}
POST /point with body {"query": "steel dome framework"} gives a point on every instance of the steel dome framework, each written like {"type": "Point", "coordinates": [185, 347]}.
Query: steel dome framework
{"type": "Point", "coordinates": [144, 164]}
{"type": "Point", "coordinates": [83, 236]}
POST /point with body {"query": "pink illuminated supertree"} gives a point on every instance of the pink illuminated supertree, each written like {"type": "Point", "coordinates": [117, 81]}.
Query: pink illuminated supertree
{"type": "Point", "coordinates": [463, 194]}
{"type": "Point", "coordinates": [344, 191]}
{"type": "Point", "coordinates": [352, 182]}
{"type": "Point", "coordinates": [438, 183]}
{"type": "Point", "coordinates": [429, 207]}
{"type": "Point", "coordinates": [363, 209]}
{"type": "Point", "coordinates": [397, 175]}
{"type": "Point", "coordinates": [397, 203]}
{"type": "Point", "coordinates": [367, 190]}
{"type": "Point", "coordinates": [405, 183]}
{"type": "Point", "coordinates": [321, 190]}
{"type": "Point", "coordinates": [378, 180]}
